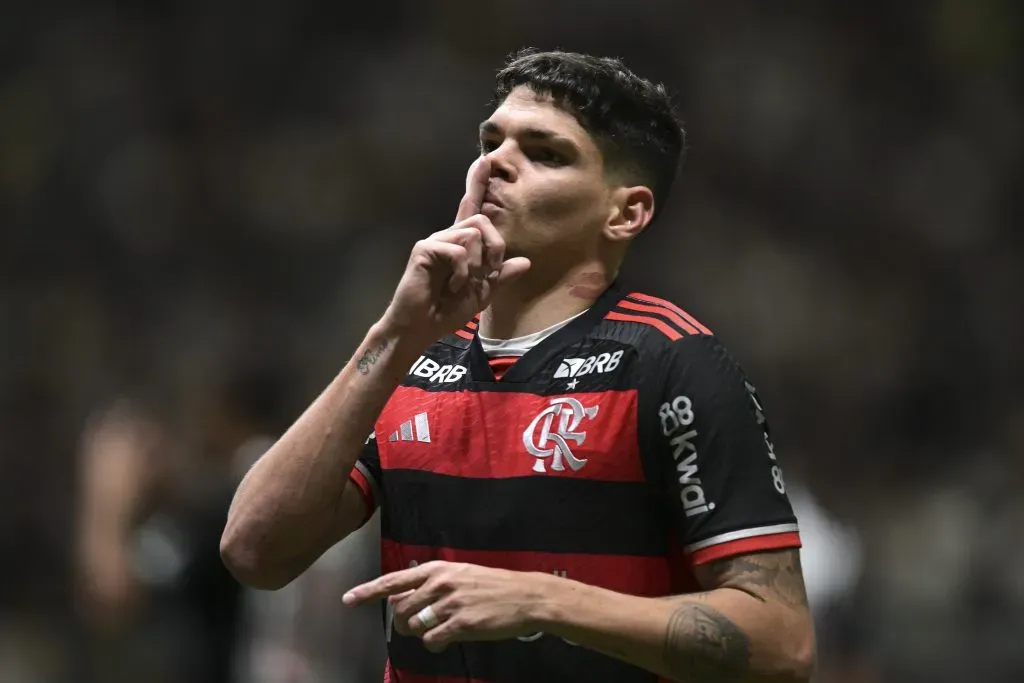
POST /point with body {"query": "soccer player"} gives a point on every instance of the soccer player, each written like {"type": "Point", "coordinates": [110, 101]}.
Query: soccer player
{"type": "Point", "coordinates": [576, 482]}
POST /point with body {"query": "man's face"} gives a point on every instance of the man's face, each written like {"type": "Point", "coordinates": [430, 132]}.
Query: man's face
{"type": "Point", "coordinates": [547, 195]}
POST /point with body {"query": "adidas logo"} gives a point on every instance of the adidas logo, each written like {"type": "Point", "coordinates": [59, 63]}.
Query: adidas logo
{"type": "Point", "coordinates": [416, 429]}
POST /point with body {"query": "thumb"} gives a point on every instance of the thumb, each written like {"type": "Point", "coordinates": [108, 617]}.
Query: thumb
{"type": "Point", "coordinates": [512, 270]}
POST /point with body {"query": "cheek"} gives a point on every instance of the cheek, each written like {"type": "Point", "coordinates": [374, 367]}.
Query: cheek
{"type": "Point", "coordinates": [555, 204]}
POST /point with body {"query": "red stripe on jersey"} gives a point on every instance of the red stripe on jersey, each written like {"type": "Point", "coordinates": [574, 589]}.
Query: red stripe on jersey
{"type": "Point", "coordinates": [472, 324]}
{"type": "Point", "coordinates": [672, 307]}
{"type": "Point", "coordinates": [744, 546]}
{"type": "Point", "coordinates": [359, 480]}
{"type": "Point", "coordinates": [393, 675]}
{"type": "Point", "coordinates": [633, 575]}
{"type": "Point", "coordinates": [464, 334]}
{"type": "Point", "coordinates": [501, 364]}
{"type": "Point", "coordinates": [663, 327]}
{"type": "Point", "coordinates": [470, 434]}
{"type": "Point", "coordinates": [687, 327]}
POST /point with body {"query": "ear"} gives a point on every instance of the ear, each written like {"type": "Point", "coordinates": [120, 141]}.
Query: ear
{"type": "Point", "coordinates": [632, 208]}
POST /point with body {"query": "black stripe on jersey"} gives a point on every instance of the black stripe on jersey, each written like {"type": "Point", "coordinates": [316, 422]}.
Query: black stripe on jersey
{"type": "Point", "coordinates": [546, 514]}
{"type": "Point", "coordinates": [545, 659]}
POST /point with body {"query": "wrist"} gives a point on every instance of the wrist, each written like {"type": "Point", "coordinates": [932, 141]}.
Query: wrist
{"type": "Point", "coordinates": [553, 599]}
{"type": "Point", "coordinates": [403, 345]}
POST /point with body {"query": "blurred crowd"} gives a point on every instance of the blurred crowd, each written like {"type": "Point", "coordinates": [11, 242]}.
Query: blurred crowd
{"type": "Point", "coordinates": [203, 205]}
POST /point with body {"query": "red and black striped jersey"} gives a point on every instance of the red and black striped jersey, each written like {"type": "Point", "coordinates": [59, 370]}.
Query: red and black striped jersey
{"type": "Point", "coordinates": [621, 451]}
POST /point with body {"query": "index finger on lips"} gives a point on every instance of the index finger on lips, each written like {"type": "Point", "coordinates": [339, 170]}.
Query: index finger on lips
{"type": "Point", "coordinates": [476, 187]}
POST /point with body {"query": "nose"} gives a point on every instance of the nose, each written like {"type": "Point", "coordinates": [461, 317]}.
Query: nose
{"type": "Point", "coordinates": [502, 162]}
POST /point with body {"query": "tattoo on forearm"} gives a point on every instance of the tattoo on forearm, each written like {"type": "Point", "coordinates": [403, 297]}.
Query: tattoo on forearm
{"type": "Point", "coordinates": [703, 646]}
{"type": "Point", "coordinates": [370, 357]}
{"type": "Point", "coordinates": [765, 575]}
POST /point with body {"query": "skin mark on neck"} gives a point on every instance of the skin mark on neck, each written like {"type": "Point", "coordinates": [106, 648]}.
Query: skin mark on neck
{"type": "Point", "coordinates": [588, 285]}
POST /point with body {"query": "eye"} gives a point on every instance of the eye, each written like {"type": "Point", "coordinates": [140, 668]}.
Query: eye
{"type": "Point", "coordinates": [488, 146]}
{"type": "Point", "coordinates": [545, 155]}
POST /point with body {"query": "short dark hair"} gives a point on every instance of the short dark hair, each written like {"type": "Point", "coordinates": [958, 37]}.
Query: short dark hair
{"type": "Point", "coordinates": [631, 119]}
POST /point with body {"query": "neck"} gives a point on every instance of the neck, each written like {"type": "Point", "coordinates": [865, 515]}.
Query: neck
{"type": "Point", "coordinates": [534, 303]}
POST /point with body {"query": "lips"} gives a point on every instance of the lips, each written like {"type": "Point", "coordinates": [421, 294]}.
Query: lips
{"type": "Point", "coordinates": [491, 198]}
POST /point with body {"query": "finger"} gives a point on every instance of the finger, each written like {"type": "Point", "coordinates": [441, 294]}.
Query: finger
{"type": "Point", "coordinates": [456, 256]}
{"type": "Point", "coordinates": [389, 584]}
{"type": "Point", "coordinates": [440, 637]}
{"type": "Point", "coordinates": [511, 270]}
{"type": "Point", "coordinates": [408, 609]}
{"type": "Point", "coordinates": [476, 187]}
{"type": "Point", "coordinates": [468, 237]}
{"type": "Point", "coordinates": [416, 626]}
{"type": "Point", "coordinates": [493, 242]}
{"type": "Point", "coordinates": [398, 597]}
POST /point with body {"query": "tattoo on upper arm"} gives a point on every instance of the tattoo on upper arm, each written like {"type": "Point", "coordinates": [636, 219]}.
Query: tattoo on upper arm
{"type": "Point", "coordinates": [765, 576]}
{"type": "Point", "coordinates": [702, 645]}
{"type": "Point", "coordinates": [370, 357]}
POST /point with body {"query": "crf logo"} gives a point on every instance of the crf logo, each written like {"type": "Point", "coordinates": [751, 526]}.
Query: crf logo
{"type": "Point", "coordinates": [542, 441]}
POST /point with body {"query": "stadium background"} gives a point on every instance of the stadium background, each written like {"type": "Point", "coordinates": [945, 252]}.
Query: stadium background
{"type": "Point", "coordinates": [204, 204]}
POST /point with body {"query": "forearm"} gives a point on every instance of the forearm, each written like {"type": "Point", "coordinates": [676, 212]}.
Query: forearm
{"type": "Point", "coordinates": [720, 635]}
{"type": "Point", "coordinates": [289, 507]}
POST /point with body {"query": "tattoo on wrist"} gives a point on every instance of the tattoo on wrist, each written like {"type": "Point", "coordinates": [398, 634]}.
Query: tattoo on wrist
{"type": "Point", "coordinates": [370, 358]}
{"type": "Point", "coordinates": [703, 646]}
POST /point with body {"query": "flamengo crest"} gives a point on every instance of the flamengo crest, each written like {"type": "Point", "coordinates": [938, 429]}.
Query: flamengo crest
{"type": "Point", "coordinates": [546, 439]}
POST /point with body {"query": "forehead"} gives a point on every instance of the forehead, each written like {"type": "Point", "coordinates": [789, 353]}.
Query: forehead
{"type": "Point", "coordinates": [526, 109]}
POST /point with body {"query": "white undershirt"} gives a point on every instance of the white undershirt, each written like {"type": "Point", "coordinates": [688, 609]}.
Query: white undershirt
{"type": "Point", "coordinates": [518, 346]}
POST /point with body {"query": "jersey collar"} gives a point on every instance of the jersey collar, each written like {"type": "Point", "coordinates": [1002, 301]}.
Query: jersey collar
{"type": "Point", "coordinates": [533, 361]}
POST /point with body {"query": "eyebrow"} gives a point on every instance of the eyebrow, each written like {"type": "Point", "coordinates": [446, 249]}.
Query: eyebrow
{"type": "Point", "coordinates": [540, 134]}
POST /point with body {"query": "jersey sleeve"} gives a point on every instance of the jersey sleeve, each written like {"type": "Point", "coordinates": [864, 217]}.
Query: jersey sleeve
{"type": "Point", "coordinates": [366, 475]}
{"type": "Point", "coordinates": [708, 449]}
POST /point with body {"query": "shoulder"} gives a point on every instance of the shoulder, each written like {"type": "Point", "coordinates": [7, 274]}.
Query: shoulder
{"type": "Point", "coordinates": [673, 347]}
{"type": "Point", "coordinates": [652, 324]}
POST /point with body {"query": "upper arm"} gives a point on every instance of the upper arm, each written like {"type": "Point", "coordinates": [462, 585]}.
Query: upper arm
{"type": "Point", "coordinates": [708, 450]}
{"type": "Point", "coordinates": [366, 493]}
{"type": "Point", "coordinates": [772, 576]}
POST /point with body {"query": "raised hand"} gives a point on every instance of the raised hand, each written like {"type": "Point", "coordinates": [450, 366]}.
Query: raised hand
{"type": "Point", "coordinates": [453, 274]}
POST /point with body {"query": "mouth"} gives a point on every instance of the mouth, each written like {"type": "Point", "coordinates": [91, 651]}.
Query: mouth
{"type": "Point", "coordinates": [493, 200]}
